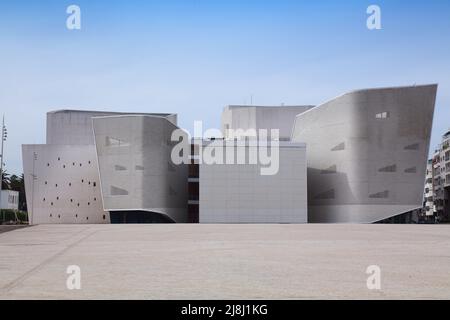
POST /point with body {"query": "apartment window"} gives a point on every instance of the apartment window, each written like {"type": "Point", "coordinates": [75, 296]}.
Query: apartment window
{"type": "Point", "coordinates": [94, 184]}
{"type": "Point", "coordinates": [382, 115]}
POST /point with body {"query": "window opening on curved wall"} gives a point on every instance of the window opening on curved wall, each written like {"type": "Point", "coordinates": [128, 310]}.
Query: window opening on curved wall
{"type": "Point", "coordinates": [339, 147]}
{"type": "Point", "coordinates": [411, 170]}
{"type": "Point", "coordinates": [382, 115]}
{"type": "Point", "coordinates": [390, 168]}
{"type": "Point", "coordinates": [380, 195]}
{"type": "Point", "coordinates": [329, 194]}
{"type": "Point", "coordinates": [329, 170]}
{"type": "Point", "coordinates": [414, 146]}
{"type": "Point", "coordinates": [115, 191]}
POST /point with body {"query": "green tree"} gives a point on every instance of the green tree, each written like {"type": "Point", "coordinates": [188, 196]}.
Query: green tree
{"type": "Point", "coordinates": [17, 183]}
{"type": "Point", "coordinates": [5, 180]}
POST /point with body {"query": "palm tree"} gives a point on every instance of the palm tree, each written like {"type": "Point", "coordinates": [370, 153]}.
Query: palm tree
{"type": "Point", "coordinates": [17, 183]}
{"type": "Point", "coordinates": [5, 180]}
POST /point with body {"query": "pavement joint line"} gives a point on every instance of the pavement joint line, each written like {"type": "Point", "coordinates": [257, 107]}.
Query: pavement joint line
{"type": "Point", "coordinates": [11, 285]}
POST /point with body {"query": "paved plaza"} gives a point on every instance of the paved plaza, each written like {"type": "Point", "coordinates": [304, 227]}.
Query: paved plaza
{"type": "Point", "coordinates": [202, 261]}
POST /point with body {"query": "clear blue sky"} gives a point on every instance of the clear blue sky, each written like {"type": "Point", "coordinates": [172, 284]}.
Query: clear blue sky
{"type": "Point", "coordinates": [193, 57]}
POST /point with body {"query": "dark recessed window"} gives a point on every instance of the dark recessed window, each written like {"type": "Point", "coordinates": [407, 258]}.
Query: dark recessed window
{"type": "Point", "coordinates": [70, 184]}
{"type": "Point", "coordinates": [45, 182]}
{"type": "Point", "coordinates": [80, 164]}
{"type": "Point", "coordinates": [64, 166]}
{"type": "Point", "coordinates": [56, 185]}
{"type": "Point", "coordinates": [89, 183]}
{"type": "Point", "coordinates": [51, 203]}
{"type": "Point", "coordinates": [59, 158]}
{"type": "Point", "coordinates": [78, 204]}
{"type": "Point", "coordinates": [57, 198]}
{"type": "Point", "coordinates": [82, 180]}
{"type": "Point", "coordinates": [73, 163]}
{"type": "Point", "coordinates": [48, 164]}
{"type": "Point", "coordinates": [59, 216]}
{"type": "Point", "coordinates": [71, 200]}
{"type": "Point", "coordinates": [89, 162]}
{"type": "Point", "coordinates": [94, 184]}
{"type": "Point", "coordinates": [50, 215]}
{"type": "Point", "coordinates": [95, 199]}
{"type": "Point", "coordinates": [76, 216]}
{"type": "Point", "coordinates": [89, 203]}
{"type": "Point", "coordinates": [87, 218]}
{"type": "Point", "coordinates": [104, 217]}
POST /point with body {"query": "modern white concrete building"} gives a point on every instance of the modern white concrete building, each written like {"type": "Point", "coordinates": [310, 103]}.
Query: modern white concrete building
{"type": "Point", "coordinates": [139, 181]}
{"type": "Point", "coordinates": [367, 153]}
{"type": "Point", "coordinates": [358, 158]}
{"type": "Point", "coordinates": [242, 193]}
{"type": "Point", "coordinates": [62, 178]}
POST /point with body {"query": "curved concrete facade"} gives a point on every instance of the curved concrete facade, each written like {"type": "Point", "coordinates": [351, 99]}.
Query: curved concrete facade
{"type": "Point", "coordinates": [136, 171]}
{"type": "Point", "coordinates": [367, 153]}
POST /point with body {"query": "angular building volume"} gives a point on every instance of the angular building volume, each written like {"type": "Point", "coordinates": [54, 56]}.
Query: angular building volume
{"type": "Point", "coordinates": [367, 153]}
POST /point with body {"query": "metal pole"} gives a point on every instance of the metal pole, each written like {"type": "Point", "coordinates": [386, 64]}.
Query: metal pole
{"type": "Point", "coordinates": [1, 164]}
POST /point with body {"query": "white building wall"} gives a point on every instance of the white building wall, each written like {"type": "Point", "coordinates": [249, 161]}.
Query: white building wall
{"type": "Point", "coordinates": [9, 199]}
{"type": "Point", "coordinates": [232, 193]}
{"type": "Point", "coordinates": [367, 153]}
{"type": "Point", "coordinates": [65, 188]}
{"type": "Point", "coordinates": [137, 174]}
